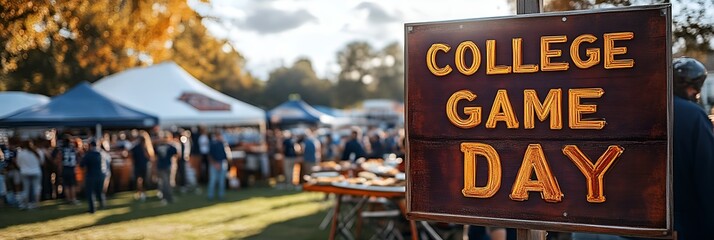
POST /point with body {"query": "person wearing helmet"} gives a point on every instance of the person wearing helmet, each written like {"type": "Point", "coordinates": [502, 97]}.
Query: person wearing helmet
{"type": "Point", "coordinates": [693, 154]}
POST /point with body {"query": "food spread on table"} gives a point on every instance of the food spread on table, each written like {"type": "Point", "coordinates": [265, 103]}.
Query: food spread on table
{"type": "Point", "coordinates": [365, 173]}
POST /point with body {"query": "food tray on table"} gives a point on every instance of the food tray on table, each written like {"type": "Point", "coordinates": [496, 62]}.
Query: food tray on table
{"type": "Point", "coordinates": [331, 166]}
{"type": "Point", "coordinates": [364, 187]}
{"type": "Point", "coordinates": [369, 181]}
{"type": "Point", "coordinates": [323, 178]}
{"type": "Point", "coordinates": [379, 167]}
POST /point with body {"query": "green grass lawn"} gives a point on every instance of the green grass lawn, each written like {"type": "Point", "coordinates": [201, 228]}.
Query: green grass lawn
{"type": "Point", "coordinates": [254, 213]}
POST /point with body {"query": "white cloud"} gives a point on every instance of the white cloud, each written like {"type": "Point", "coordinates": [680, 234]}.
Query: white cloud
{"type": "Point", "coordinates": [274, 33]}
{"type": "Point", "coordinates": [377, 14]}
{"type": "Point", "coordinates": [270, 20]}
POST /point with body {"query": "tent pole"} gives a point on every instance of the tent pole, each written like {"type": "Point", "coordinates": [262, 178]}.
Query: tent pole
{"type": "Point", "coordinates": [98, 137]}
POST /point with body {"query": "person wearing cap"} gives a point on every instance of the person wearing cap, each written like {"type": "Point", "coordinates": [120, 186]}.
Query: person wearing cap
{"type": "Point", "coordinates": [693, 149]}
{"type": "Point", "coordinates": [94, 168]}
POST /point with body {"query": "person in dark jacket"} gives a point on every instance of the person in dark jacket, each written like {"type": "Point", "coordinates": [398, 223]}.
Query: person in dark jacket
{"type": "Point", "coordinates": [353, 146]}
{"type": "Point", "coordinates": [693, 154]}
{"type": "Point", "coordinates": [94, 168]}
{"type": "Point", "coordinates": [377, 145]}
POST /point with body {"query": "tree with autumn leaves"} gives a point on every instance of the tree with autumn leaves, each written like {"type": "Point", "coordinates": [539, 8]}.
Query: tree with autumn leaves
{"type": "Point", "coordinates": [693, 25]}
{"type": "Point", "coordinates": [50, 46]}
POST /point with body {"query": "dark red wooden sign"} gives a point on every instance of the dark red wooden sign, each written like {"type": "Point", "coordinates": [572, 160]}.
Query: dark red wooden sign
{"type": "Point", "coordinates": [203, 103]}
{"type": "Point", "coordinates": [557, 121]}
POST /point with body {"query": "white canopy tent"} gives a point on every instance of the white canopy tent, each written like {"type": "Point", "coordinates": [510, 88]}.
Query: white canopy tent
{"type": "Point", "coordinates": [11, 101]}
{"type": "Point", "coordinates": [178, 99]}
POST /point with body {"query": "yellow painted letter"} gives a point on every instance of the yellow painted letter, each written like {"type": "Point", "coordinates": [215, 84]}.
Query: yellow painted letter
{"type": "Point", "coordinates": [576, 110]}
{"type": "Point", "coordinates": [518, 66]}
{"type": "Point", "coordinates": [545, 182]}
{"type": "Point", "coordinates": [459, 58]}
{"type": "Point", "coordinates": [594, 173]}
{"type": "Point", "coordinates": [502, 111]}
{"type": "Point", "coordinates": [546, 54]}
{"type": "Point", "coordinates": [471, 150]}
{"type": "Point", "coordinates": [473, 112]}
{"type": "Point", "coordinates": [491, 68]}
{"type": "Point", "coordinates": [611, 50]}
{"type": "Point", "coordinates": [593, 53]}
{"type": "Point", "coordinates": [550, 106]}
{"type": "Point", "coordinates": [431, 59]}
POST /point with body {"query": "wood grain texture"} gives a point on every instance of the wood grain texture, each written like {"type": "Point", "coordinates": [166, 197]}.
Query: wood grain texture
{"type": "Point", "coordinates": [635, 106]}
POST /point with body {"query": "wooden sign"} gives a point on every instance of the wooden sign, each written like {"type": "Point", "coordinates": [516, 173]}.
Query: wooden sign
{"type": "Point", "coordinates": [557, 121]}
{"type": "Point", "coordinates": [203, 103]}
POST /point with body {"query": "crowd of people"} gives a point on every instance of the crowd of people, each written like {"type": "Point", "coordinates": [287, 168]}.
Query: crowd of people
{"type": "Point", "coordinates": [32, 170]}
{"type": "Point", "coordinates": [24, 166]}
{"type": "Point", "coordinates": [35, 169]}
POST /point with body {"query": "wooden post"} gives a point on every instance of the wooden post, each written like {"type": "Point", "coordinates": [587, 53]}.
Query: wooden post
{"type": "Point", "coordinates": [529, 6]}
{"type": "Point", "coordinates": [526, 7]}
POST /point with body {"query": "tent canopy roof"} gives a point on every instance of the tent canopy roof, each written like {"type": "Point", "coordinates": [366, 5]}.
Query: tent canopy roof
{"type": "Point", "coordinates": [297, 111]}
{"type": "Point", "coordinates": [13, 101]}
{"type": "Point", "coordinates": [81, 106]}
{"type": "Point", "coordinates": [177, 98]}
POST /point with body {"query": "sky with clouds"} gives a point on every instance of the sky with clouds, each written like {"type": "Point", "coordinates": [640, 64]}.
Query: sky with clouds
{"type": "Point", "coordinates": [273, 33]}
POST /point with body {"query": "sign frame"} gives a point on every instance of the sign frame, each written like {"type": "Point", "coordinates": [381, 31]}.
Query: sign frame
{"type": "Point", "coordinates": [666, 232]}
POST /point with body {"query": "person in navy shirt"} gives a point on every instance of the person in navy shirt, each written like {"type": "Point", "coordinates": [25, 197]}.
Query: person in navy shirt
{"type": "Point", "coordinates": [93, 165]}
{"type": "Point", "coordinates": [377, 145]}
{"type": "Point", "coordinates": [353, 146]}
{"type": "Point", "coordinates": [218, 166]}
{"type": "Point", "coordinates": [166, 155]}
{"type": "Point", "coordinates": [289, 158]}
{"type": "Point", "coordinates": [693, 154]}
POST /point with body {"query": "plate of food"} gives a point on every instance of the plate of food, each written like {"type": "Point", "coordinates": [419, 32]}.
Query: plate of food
{"type": "Point", "coordinates": [326, 178]}
{"type": "Point", "coordinates": [378, 166]}
{"type": "Point", "coordinates": [325, 174]}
